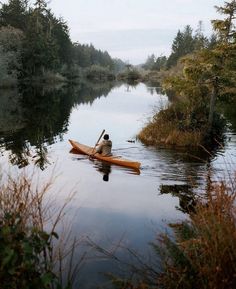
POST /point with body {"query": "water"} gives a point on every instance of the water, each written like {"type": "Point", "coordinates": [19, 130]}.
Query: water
{"type": "Point", "coordinates": [35, 125]}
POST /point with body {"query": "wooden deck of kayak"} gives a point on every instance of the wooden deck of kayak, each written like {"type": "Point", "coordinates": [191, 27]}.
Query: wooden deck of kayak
{"type": "Point", "coordinates": [117, 160]}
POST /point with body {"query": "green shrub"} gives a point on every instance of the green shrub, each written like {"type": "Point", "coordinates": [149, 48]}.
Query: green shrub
{"type": "Point", "coordinates": [22, 255]}
{"type": "Point", "coordinates": [27, 250]}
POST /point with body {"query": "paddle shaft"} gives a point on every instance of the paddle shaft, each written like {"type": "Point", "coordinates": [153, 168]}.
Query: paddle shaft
{"type": "Point", "coordinates": [98, 141]}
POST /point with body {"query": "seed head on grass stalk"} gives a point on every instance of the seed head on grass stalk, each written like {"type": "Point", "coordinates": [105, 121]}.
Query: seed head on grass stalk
{"type": "Point", "coordinates": [28, 251]}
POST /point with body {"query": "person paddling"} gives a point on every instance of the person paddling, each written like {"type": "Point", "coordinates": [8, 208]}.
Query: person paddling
{"type": "Point", "coordinates": [104, 148]}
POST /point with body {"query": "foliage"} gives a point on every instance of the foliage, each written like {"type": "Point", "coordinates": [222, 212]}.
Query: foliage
{"type": "Point", "coordinates": [130, 75]}
{"type": "Point", "coordinates": [10, 47]}
{"type": "Point", "coordinates": [200, 252]}
{"type": "Point", "coordinates": [155, 63]}
{"type": "Point", "coordinates": [87, 55]}
{"type": "Point", "coordinates": [226, 28]}
{"type": "Point", "coordinates": [149, 62]}
{"type": "Point", "coordinates": [21, 251]}
{"type": "Point", "coordinates": [183, 44]}
{"type": "Point", "coordinates": [25, 247]}
{"type": "Point", "coordinates": [208, 74]}
{"type": "Point", "coordinates": [96, 72]}
{"type": "Point", "coordinates": [46, 45]}
{"type": "Point", "coordinates": [36, 116]}
{"type": "Point", "coordinates": [205, 245]}
{"type": "Point", "coordinates": [160, 63]}
{"type": "Point", "coordinates": [119, 65]}
{"type": "Point", "coordinates": [171, 126]}
{"type": "Point", "coordinates": [14, 13]}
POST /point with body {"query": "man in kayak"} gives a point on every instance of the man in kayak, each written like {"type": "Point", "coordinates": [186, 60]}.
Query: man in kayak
{"type": "Point", "coordinates": [104, 148]}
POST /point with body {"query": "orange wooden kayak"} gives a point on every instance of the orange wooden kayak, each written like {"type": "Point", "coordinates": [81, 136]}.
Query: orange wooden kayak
{"type": "Point", "coordinates": [117, 160]}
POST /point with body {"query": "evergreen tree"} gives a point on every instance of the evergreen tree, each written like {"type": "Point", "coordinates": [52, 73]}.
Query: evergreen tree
{"type": "Point", "coordinates": [225, 28]}
{"type": "Point", "coordinates": [212, 41]}
{"type": "Point", "coordinates": [208, 74]}
{"type": "Point", "coordinates": [160, 63]}
{"type": "Point", "coordinates": [10, 52]}
{"type": "Point", "coordinates": [86, 55]}
{"type": "Point", "coordinates": [46, 43]}
{"type": "Point", "coordinates": [60, 33]}
{"type": "Point", "coordinates": [40, 51]}
{"type": "Point", "coordinates": [150, 62]}
{"type": "Point", "coordinates": [200, 40]}
{"type": "Point", "coordinates": [14, 13]}
{"type": "Point", "coordinates": [182, 45]}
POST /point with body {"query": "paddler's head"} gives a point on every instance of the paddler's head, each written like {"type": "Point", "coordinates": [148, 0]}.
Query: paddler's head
{"type": "Point", "coordinates": [106, 136]}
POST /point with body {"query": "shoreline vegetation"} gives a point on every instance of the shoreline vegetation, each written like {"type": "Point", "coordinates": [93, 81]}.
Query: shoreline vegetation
{"type": "Point", "coordinates": [199, 73]}
{"type": "Point", "coordinates": [31, 253]}
{"type": "Point", "coordinates": [35, 46]}
{"type": "Point", "coordinates": [201, 252]}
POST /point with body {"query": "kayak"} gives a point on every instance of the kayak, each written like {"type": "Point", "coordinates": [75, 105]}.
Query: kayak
{"type": "Point", "coordinates": [117, 160]}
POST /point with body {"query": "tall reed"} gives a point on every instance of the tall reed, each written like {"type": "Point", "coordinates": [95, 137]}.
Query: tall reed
{"type": "Point", "coordinates": [202, 251]}
{"type": "Point", "coordinates": [30, 252]}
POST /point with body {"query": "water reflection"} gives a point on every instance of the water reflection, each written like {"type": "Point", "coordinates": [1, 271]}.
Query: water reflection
{"type": "Point", "coordinates": [187, 198]}
{"type": "Point", "coordinates": [104, 168]}
{"type": "Point", "coordinates": [108, 203]}
{"type": "Point", "coordinates": [34, 117]}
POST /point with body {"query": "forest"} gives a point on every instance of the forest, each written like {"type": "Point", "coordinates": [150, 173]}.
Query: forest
{"type": "Point", "coordinates": [35, 44]}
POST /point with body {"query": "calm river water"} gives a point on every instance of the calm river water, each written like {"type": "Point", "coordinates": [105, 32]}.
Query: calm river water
{"type": "Point", "coordinates": [35, 125]}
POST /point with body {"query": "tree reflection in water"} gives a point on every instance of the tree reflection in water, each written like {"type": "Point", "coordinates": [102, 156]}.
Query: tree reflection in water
{"type": "Point", "coordinates": [187, 199]}
{"type": "Point", "coordinates": [38, 116]}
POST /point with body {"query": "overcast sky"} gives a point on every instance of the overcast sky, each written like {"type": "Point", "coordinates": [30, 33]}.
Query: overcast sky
{"type": "Point", "coordinates": [133, 29]}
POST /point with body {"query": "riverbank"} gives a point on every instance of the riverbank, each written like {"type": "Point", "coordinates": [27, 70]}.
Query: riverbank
{"type": "Point", "coordinates": [173, 126]}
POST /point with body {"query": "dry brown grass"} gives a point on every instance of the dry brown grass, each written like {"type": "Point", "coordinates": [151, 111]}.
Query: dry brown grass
{"type": "Point", "coordinates": [156, 133]}
{"type": "Point", "coordinates": [19, 198]}
{"type": "Point", "coordinates": [213, 252]}
{"type": "Point", "coordinates": [204, 252]}
{"type": "Point", "coordinates": [30, 206]}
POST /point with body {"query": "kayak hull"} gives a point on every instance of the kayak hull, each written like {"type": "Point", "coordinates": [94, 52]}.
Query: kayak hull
{"type": "Point", "coordinates": [117, 160]}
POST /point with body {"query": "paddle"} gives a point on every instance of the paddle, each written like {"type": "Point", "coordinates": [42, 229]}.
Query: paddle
{"type": "Point", "coordinates": [90, 156]}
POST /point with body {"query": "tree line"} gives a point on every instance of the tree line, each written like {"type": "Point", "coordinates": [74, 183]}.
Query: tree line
{"type": "Point", "coordinates": [185, 42]}
{"type": "Point", "coordinates": [33, 41]}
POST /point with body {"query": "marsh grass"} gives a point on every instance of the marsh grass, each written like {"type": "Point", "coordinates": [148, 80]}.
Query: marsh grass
{"type": "Point", "coordinates": [156, 133]}
{"type": "Point", "coordinates": [183, 124]}
{"type": "Point", "coordinates": [201, 253]}
{"type": "Point", "coordinates": [31, 253]}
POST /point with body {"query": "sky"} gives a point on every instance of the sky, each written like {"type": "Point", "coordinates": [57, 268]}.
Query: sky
{"type": "Point", "coordinates": [133, 29]}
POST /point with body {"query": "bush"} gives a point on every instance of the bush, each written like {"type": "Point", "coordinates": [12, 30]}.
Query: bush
{"type": "Point", "coordinates": [99, 73]}
{"type": "Point", "coordinates": [130, 75]}
{"type": "Point", "coordinates": [183, 125]}
{"type": "Point", "coordinates": [22, 252]}
{"type": "Point", "coordinates": [205, 246]}
{"type": "Point", "coordinates": [28, 252]}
